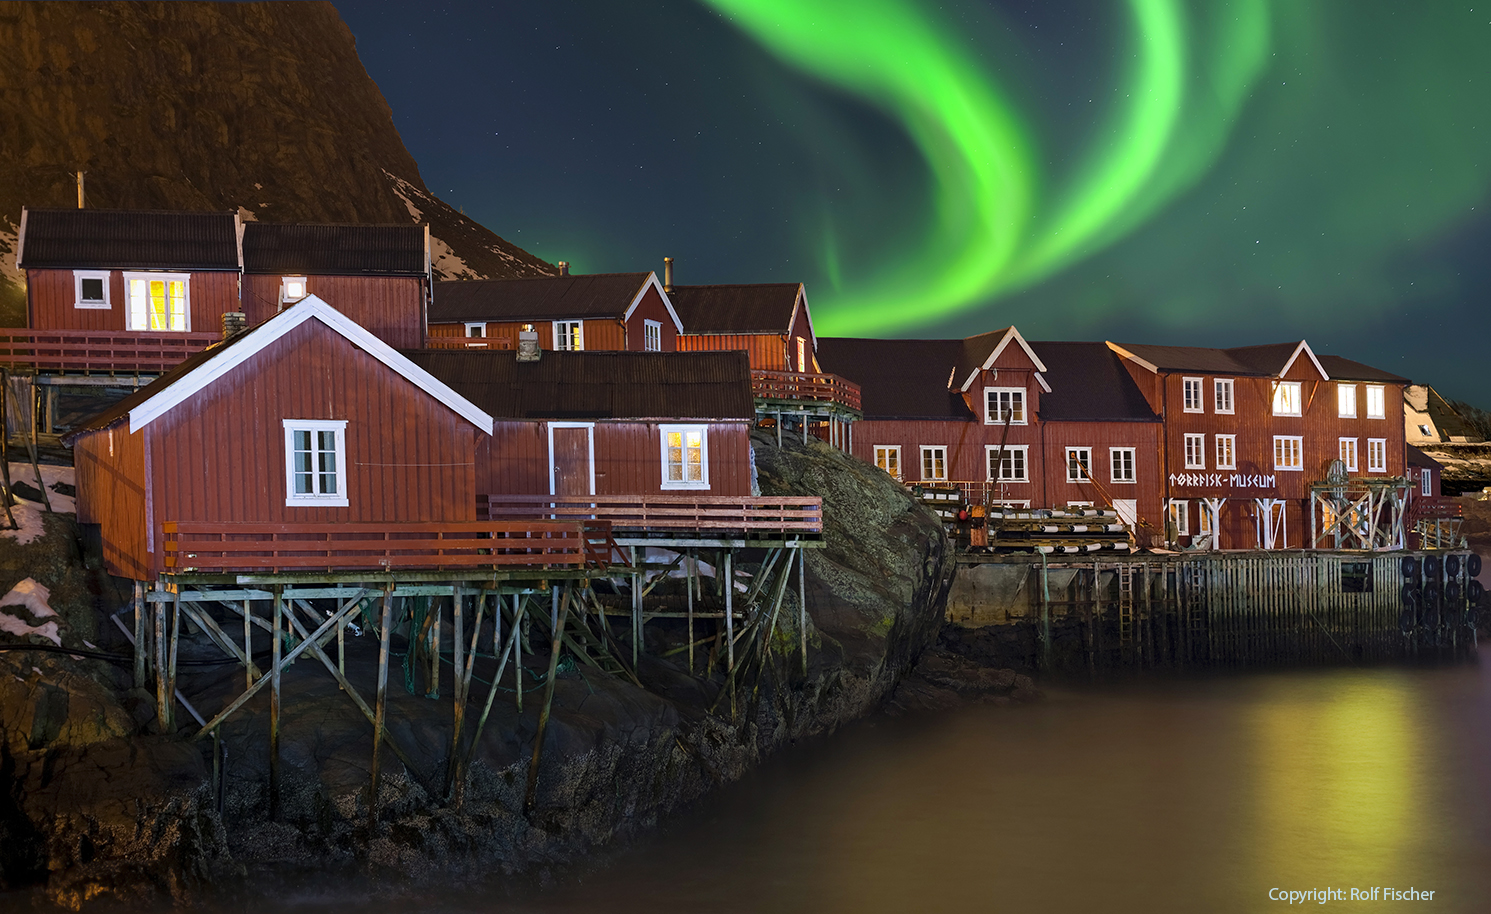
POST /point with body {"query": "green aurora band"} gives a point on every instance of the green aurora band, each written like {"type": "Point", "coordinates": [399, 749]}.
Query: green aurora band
{"type": "Point", "coordinates": [995, 226]}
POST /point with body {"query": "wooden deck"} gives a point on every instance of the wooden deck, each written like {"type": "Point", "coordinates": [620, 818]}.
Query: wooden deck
{"type": "Point", "coordinates": [99, 352]}
{"type": "Point", "coordinates": [489, 545]}
{"type": "Point", "coordinates": [793, 389]}
{"type": "Point", "coordinates": [717, 516]}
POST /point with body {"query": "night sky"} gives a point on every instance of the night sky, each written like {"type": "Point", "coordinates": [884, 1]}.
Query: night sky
{"type": "Point", "coordinates": [1210, 174]}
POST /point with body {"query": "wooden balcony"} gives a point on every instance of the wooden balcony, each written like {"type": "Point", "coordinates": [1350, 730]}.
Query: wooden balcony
{"type": "Point", "coordinates": [99, 352]}
{"type": "Point", "coordinates": [794, 390]}
{"type": "Point", "coordinates": [670, 516]}
{"type": "Point", "coordinates": [480, 546]}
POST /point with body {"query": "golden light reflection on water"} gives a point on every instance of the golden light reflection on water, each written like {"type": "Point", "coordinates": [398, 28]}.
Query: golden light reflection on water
{"type": "Point", "coordinates": [1339, 794]}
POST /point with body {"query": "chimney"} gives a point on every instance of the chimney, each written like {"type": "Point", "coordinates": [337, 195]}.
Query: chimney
{"type": "Point", "coordinates": [564, 268]}
{"type": "Point", "coordinates": [667, 274]}
{"type": "Point", "coordinates": [528, 350]}
{"type": "Point", "coordinates": [234, 323]}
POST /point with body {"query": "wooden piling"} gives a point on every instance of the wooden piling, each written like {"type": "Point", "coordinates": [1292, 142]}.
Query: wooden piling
{"type": "Point", "coordinates": [141, 652]}
{"type": "Point", "coordinates": [380, 713]}
{"type": "Point", "coordinates": [274, 702]}
{"type": "Point", "coordinates": [162, 697]}
{"type": "Point", "coordinates": [802, 605]}
{"type": "Point", "coordinates": [531, 794]}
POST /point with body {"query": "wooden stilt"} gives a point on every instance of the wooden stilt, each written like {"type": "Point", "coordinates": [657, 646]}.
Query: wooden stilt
{"type": "Point", "coordinates": [248, 641]}
{"type": "Point", "coordinates": [688, 589]}
{"type": "Point", "coordinates": [141, 652]}
{"type": "Point", "coordinates": [518, 612]}
{"type": "Point", "coordinates": [5, 464]}
{"type": "Point", "coordinates": [380, 712]}
{"type": "Point", "coordinates": [274, 704]}
{"type": "Point", "coordinates": [636, 610]}
{"type": "Point", "coordinates": [531, 794]}
{"type": "Point", "coordinates": [171, 659]}
{"type": "Point", "coordinates": [730, 627]}
{"type": "Point", "coordinates": [802, 604]}
{"type": "Point", "coordinates": [458, 789]}
{"type": "Point", "coordinates": [162, 697]}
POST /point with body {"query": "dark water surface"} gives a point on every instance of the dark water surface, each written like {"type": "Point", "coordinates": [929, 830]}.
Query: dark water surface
{"type": "Point", "coordinates": [1197, 796]}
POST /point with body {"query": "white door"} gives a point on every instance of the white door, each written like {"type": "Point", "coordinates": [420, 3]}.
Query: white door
{"type": "Point", "coordinates": [1128, 511]}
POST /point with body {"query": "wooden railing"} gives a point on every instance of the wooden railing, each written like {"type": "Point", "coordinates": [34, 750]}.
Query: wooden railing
{"type": "Point", "coordinates": [100, 351]}
{"type": "Point", "coordinates": [1431, 507]}
{"type": "Point", "coordinates": [204, 547]}
{"type": "Point", "coordinates": [668, 514]}
{"type": "Point", "coordinates": [798, 386]}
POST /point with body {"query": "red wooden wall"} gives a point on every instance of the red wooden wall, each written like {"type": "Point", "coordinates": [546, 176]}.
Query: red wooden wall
{"type": "Point", "coordinates": [110, 476]}
{"type": "Point", "coordinates": [52, 302]}
{"type": "Point", "coordinates": [391, 307]}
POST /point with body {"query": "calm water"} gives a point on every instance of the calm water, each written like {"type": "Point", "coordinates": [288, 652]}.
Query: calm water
{"type": "Point", "coordinates": [1193, 797]}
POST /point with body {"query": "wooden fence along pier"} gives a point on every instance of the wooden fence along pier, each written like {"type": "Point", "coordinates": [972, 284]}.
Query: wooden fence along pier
{"type": "Point", "coordinates": [1236, 609]}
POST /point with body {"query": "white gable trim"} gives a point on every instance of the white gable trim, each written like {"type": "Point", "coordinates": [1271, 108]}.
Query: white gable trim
{"type": "Point", "coordinates": [1010, 334]}
{"type": "Point", "coordinates": [275, 328]}
{"type": "Point", "coordinates": [1124, 353]}
{"type": "Point", "coordinates": [1305, 348]}
{"type": "Point", "coordinates": [1041, 380]}
{"type": "Point", "coordinates": [802, 302]}
{"type": "Point", "coordinates": [652, 283]}
{"type": "Point", "coordinates": [21, 243]}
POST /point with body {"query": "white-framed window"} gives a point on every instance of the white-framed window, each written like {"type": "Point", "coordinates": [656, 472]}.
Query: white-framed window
{"type": "Point", "coordinates": [1289, 452]}
{"type": "Point", "coordinates": [1346, 401]}
{"type": "Point", "coordinates": [476, 330]}
{"type": "Point", "coordinates": [569, 336]}
{"type": "Point", "coordinates": [159, 301]}
{"type": "Point", "coordinates": [1004, 405]}
{"type": "Point", "coordinates": [934, 463]}
{"type": "Point", "coordinates": [1426, 481]}
{"type": "Point", "coordinates": [1376, 401]}
{"type": "Point", "coordinates": [1078, 464]}
{"type": "Point", "coordinates": [1008, 464]}
{"type": "Point", "coordinates": [1376, 455]}
{"type": "Point", "coordinates": [91, 289]}
{"type": "Point", "coordinates": [315, 462]}
{"type": "Point", "coordinates": [1121, 459]}
{"type": "Point", "coordinates": [293, 289]}
{"type": "Point", "coordinates": [1288, 400]}
{"type": "Point", "coordinates": [1222, 395]}
{"type": "Point", "coordinates": [888, 458]}
{"type": "Point", "coordinates": [1191, 388]}
{"type": "Point", "coordinates": [1348, 454]}
{"type": "Point", "coordinates": [685, 456]}
{"type": "Point", "coordinates": [652, 336]}
{"type": "Point", "coordinates": [1195, 452]}
{"type": "Point", "coordinates": [1180, 516]}
{"type": "Point", "coordinates": [1226, 452]}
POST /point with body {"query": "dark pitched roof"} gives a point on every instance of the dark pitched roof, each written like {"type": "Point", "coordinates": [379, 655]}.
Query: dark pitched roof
{"type": "Point", "coordinates": [127, 239]}
{"type": "Point", "coordinates": [1089, 382]}
{"type": "Point", "coordinates": [1191, 358]}
{"type": "Point", "coordinates": [543, 298]}
{"type": "Point", "coordinates": [1346, 370]}
{"type": "Point", "coordinates": [1417, 458]}
{"type": "Point", "coordinates": [597, 385]}
{"type": "Point", "coordinates": [975, 352]}
{"type": "Point", "coordinates": [334, 249]}
{"type": "Point", "coordinates": [1267, 359]}
{"type": "Point", "coordinates": [898, 379]}
{"type": "Point", "coordinates": [753, 308]}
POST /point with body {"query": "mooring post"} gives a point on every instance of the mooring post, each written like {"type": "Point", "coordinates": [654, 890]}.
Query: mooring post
{"type": "Point", "coordinates": [380, 712]}
{"type": "Point", "coordinates": [274, 702]}
{"type": "Point", "coordinates": [141, 651]}
{"type": "Point", "coordinates": [531, 794]}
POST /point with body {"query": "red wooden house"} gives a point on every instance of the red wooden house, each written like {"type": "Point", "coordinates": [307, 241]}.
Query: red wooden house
{"type": "Point", "coordinates": [597, 312]}
{"type": "Point", "coordinates": [286, 425]}
{"type": "Point", "coordinates": [377, 275]}
{"type": "Point", "coordinates": [1013, 424]}
{"type": "Point", "coordinates": [111, 290]}
{"type": "Point", "coordinates": [1249, 430]}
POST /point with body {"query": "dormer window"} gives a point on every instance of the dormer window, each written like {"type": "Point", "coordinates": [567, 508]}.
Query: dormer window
{"type": "Point", "coordinates": [1004, 405]}
{"type": "Point", "coordinates": [1287, 399]}
{"type": "Point", "coordinates": [476, 330]}
{"type": "Point", "coordinates": [292, 289]}
{"type": "Point", "coordinates": [652, 336]}
{"type": "Point", "coordinates": [91, 288]}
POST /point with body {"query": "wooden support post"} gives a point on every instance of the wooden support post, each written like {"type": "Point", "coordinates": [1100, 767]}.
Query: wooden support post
{"type": "Point", "coordinates": [457, 619]}
{"type": "Point", "coordinates": [688, 589]}
{"type": "Point", "coordinates": [636, 610]}
{"type": "Point", "coordinates": [171, 662]}
{"type": "Point", "coordinates": [248, 641]}
{"type": "Point", "coordinates": [458, 789]}
{"type": "Point", "coordinates": [5, 460]}
{"type": "Point", "coordinates": [729, 611]}
{"type": "Point", "coordinates": [275, 650]}
{"type": "Point", "coordinates": [802, 603]}
{"type": "Point", "coordinates": [531, 794]}
{"type": "Point", "coordinates": [518, 651]}
{"type": "Point", "coordinates": [341, 647]}
{"type": "Point", "coordinates": [380, 712]}
{"type": "Point", "coordinates": [162, 697]}
{"type": "Point", "coordinates": [141, 651]}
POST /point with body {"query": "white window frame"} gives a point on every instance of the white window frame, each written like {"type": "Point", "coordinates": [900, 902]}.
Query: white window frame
{"type": "Point", "coordinates": [1084, 458]}
{"type": "Point", "coordinates": [1226, 452]}
{"type": "Point", "coordinates": [1191, 389]}
{"type": "Point", "coordinates": [993, 407]}
{"type": "Point", "coordinates": [1376, 401]}
{"type": "Point", "coordinates": [1180, 514]}
{"type": "Point", "coordinates": [1118, 474]}
{"type": "Point", "coordinates": [887, 454]}
{"type": "Point", "coordinates": [1195, 452]}
{"type": "Point", "coordinates": [1298, 449]}
{"type": "Point", "coordinates": [337, 499]}
{"type": "Point", "coordinates": [1347, 453]}
{"type": "Point", "coordinates": [1376, 455]}
{"type": "Point", "coordinates": [90, 304]}
{"type": "Point", "coordinates": [1223, 401]}
{"type": "Point", "coordinates": [663, 432]}
{"type": "Point", "coordinates": [652, 336]}
{"type": "Point", "coordinates": [285, 297]}
{"type": "Point", "coordinates": [184, 278]}
{"type": "Point", "coordinates": [926, 449]}
{"type": "Point", "coordinates": [1009, 452]}
{"type": "Point", "coordinates": [1346, 401]}
{"type": "Point", "coordinates": [561, 333]}
{"type": "Point", "coordinates": [1299, 398]}
{"type": "Point", "coordinates": [1426, 481]}
{"type": "Point", "coordinates": [479, 326]}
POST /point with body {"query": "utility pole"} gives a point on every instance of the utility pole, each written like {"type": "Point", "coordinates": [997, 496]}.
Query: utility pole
{"type": "Point", "coordinates": [80, 190]}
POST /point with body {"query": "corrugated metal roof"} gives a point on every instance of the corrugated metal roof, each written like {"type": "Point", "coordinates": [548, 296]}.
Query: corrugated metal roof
{"type": "Point", "coordinates": [330, 249]}
{"type": "Point", "coordinates": [1191, 358]}
{"type": "Point", "coordinates": [746, 308]}
{"type": "Point", "coordinates": [128, 239]}
{"type": "Point", "coordinates": [898, 379]}
{"type": "Point", "coordinates": [1342, 369]}
{"type": "Point", "coordinates": [541, 299]}
{"type": "Point", "coordinates": [1088, 382]}
{"type": "Point", "coordinates": [597, 385]}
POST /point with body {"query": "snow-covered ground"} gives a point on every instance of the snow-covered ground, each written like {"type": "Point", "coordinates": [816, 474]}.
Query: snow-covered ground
{"type": "Point", "coordinates": [28, 514]}
{"type": "Point", "coordinates": [29, 598]}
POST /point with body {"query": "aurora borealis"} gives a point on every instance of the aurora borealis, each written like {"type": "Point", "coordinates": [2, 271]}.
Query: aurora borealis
{"type": "Point", "coordinates": [1219, 173]}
